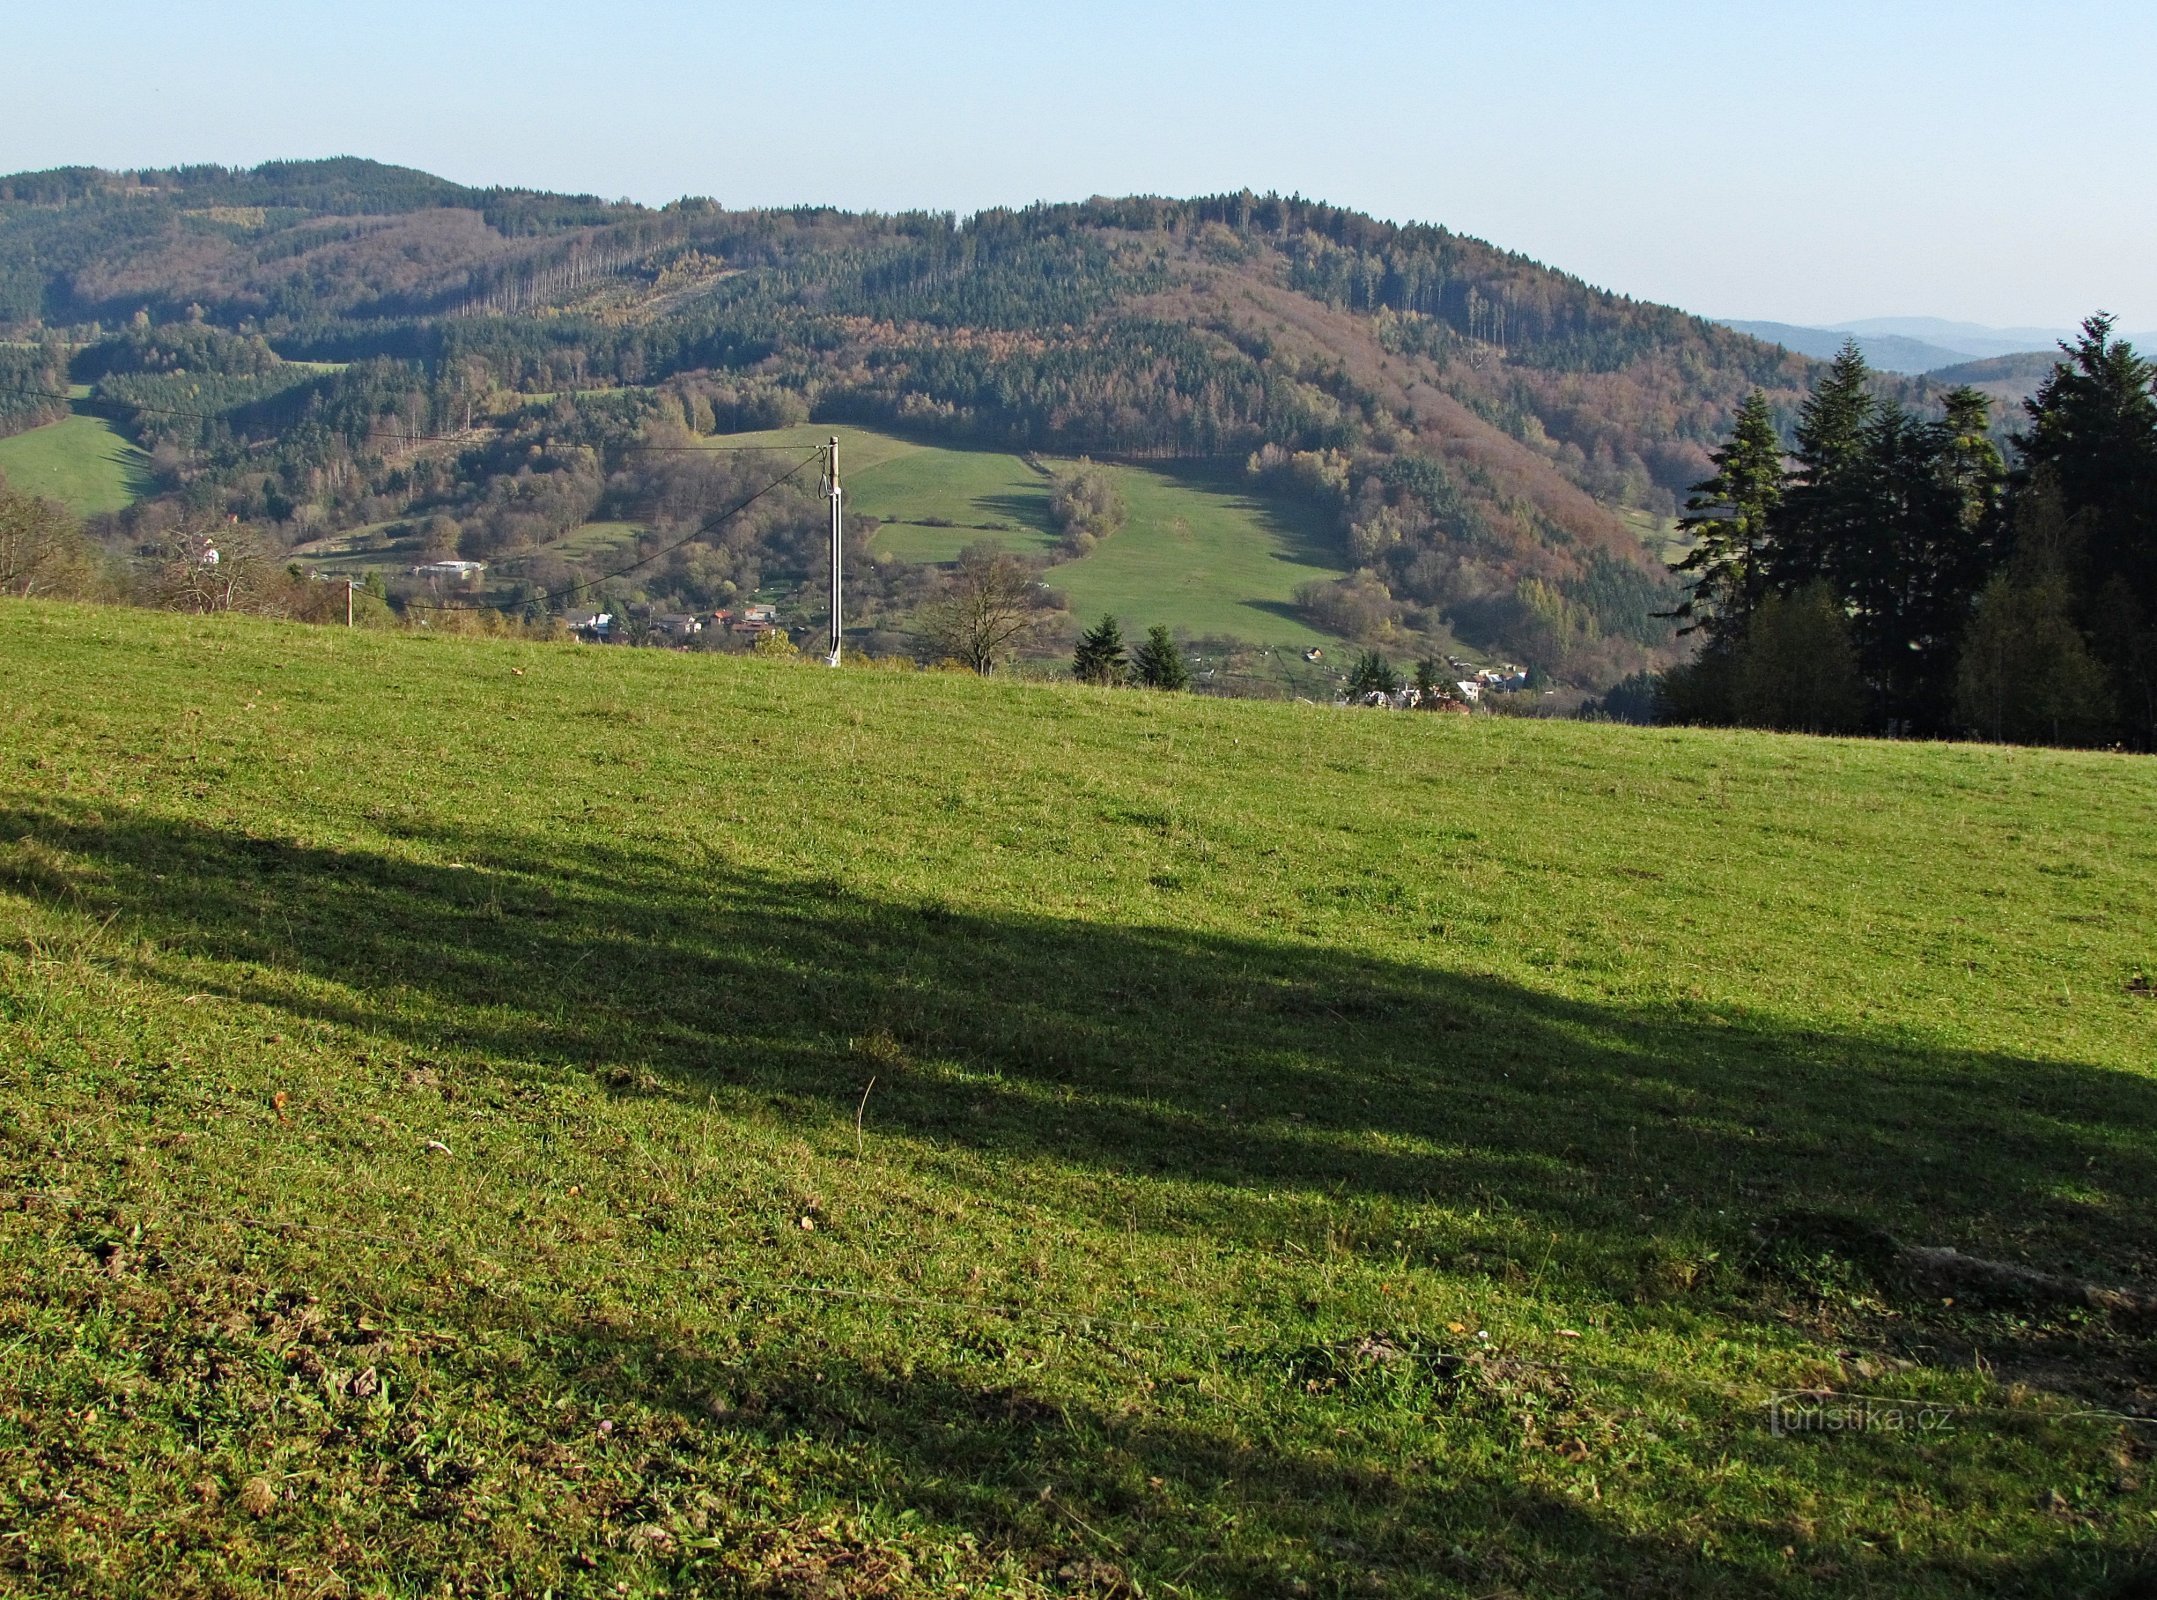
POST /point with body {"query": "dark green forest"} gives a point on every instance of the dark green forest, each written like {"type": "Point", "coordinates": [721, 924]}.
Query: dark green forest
{"type": "Point", "coordinates": [1887, 568]}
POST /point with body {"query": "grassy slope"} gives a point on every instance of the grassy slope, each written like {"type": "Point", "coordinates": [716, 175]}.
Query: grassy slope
{"type": "Point", "coordinates": [1208, 1041]}
{"type": "Point", "coordinates": [81, 461]}
{"type": "Point", "coordinates": [1200, 552]}
{"type": "Point", "coordinates": [611, 539]}
{"type": "Point", "coordinates": [1203, 554]}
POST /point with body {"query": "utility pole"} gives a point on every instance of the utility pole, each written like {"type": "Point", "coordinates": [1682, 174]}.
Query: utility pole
{"type": "Point", "coordinates": [838, 549]}
{"type": "Point", "coordinates": [350, 585]}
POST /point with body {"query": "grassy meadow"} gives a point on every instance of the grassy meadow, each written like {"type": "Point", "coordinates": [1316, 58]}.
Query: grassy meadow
{"type": "Point", "coordinates": [492, 1118]}
{"type": "Point", "coordinates": [1201, 552]}
{"type": "Point", "coordinates": [82, 461]}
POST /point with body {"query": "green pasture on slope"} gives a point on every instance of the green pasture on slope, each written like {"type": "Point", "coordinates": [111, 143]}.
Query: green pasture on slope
{"type": "Point", "coordinates": [981, 494]}
{"type": "Point", "coordinates": [1207, 556]}
{"type": "Point", "coordinates": [511, 1118]}
{"type": "Point", "coordinates": [361, 549]}
{"type": "Point", "coordinates": [595, 539]}
{"type": "Point", "coordinates": [1201, 552]}
{"type": "Point", "coordinates": [82, 461]}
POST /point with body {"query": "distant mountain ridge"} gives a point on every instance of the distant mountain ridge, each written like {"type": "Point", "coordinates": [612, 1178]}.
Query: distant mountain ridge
{"type": "Point", "coordinates": [1918, 346]}
{"type": "Point", "coordinates": [1889, 352]}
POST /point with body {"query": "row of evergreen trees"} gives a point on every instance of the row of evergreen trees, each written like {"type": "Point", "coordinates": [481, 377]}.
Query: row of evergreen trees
{"type": "Point", "coordinates": [1892, 572]}
{"type": "Point", "coordinates": [1101, 659]}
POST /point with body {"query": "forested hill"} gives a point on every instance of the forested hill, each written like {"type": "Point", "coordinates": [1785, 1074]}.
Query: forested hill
{"type": "Point", "coordinates": [1478, 421]}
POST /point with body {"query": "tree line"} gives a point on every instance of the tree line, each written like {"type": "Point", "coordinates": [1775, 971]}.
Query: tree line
{"type": "Point", "coordinates": [1892, 572]}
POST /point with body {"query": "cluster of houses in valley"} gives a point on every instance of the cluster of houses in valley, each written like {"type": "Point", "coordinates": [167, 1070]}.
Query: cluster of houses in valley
{"type": "Point", "coordinates": [677, 627]}
{"type": "Point", "coordinates": [1460, 696]}
{"type": "Point", "coordinates": [1496, 680]}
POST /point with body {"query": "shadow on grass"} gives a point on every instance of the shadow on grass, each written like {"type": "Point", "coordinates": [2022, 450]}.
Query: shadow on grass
{"type": "Point", "coordinates": [1091, 1499]}
{"type": "Point", "coordinates": [1306, 534]}
{"type": "Point", "coordinates": [1242, 1063]}
{"type": "Point", "coordinates": [1245, 1065]}
{"type": "Point", "coordinates": [1029, 510]}
{"type": "Point", "coordinates": [1049, 1479]}
{"type": "Point", "coordinates": [1286, 610]}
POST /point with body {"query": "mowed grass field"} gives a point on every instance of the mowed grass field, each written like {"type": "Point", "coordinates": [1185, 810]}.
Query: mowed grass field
{"type": "Point", "coordinates": [517, 1119]}
{"type": "Point", "coordinates": [1201, 552]}
{"type": "Point", "coordinates": [81, 461]}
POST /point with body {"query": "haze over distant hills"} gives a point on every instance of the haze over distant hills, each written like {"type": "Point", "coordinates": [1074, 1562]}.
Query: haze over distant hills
{"type": "Point", "coordinates": [1917, 345]}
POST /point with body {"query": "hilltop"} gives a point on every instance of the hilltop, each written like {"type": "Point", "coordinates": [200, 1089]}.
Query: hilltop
{"type": "Point", "coordinates": [532, 1117]}
{"type": "Point", "coordinates": [1475, 427]}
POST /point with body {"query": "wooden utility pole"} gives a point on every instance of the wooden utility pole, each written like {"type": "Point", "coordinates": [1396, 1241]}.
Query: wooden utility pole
{"type": "Point", "coordinates": [838, 549]}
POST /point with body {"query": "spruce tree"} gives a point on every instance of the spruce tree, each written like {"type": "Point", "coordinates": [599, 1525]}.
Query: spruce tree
{"type": "Point", "coordinates": [1731, 518]}
{"type": "Point", "coordinates": [1099, 658]}
{"type": "Point", "coordinates": [2026, 673]}
{"type": "Point", "coordinates": [1372, 674]}
{"type": "Point", "coordinates": [1797, 668]}
{"type": "Point", "coordinates": [1969, 462]}
{"type": "Point", "coordinates": [2093, 438]}
{"type": "Point", "coordinates": [1158, 664]}
{"type": "Point", "coordinates": [2093, 425]}
{"type": "Point", "coordinates": [1824, 507]}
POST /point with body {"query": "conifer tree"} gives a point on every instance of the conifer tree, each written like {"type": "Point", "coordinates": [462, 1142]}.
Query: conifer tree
{"type": "Point", "coordinates": [2093, 436]}
{"type": "Point", "coordinates": [1970, 464]}
{"type": "Point", "coordinates": [2093, 425]}
{"type": "Point", "coordinates": [1099, 658]}
{"type": "Point", "coordinates": [1372, 674]}
{"type": "Point", "coordinates": [1730, 517]}
{"type": "Point", "coordinates": [1824, 507]}
{"type": "Point", "coordinates": [1158, 664]}
{"type": "Point", "coordinates": [2026, 673]}
{"type": "Point", "coordinates": [1797, 668]}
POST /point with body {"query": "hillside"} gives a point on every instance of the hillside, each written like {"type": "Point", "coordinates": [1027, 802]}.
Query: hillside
{"type": "Point", "coordinates": [518, 1117]}
{"type": "Point", "coordinates": [82, 461]}
{"type": "Point", "coordinates": [2009, 380]}
{"type": "Point", "coordinates": [1204, 551]}
{"type": "Point", "coordinates": [1472, 424]}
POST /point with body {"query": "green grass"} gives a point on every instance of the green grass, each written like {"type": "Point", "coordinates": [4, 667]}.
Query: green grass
{"type": "Point", "coordinates": [595, 539]}
{"type": "Point", "coordinates": [347, 550]}
{"type": "Point", "coordinates": [500, 1118]}
{"type": "Point", "coordinates": [350, 550]}
{"type": "Point", "coordinates": [1206, 556]}
{"type": "Point", "coordinates": [81, 461]}
{"type": "Point", "coordinates": [1659, 535]}
{"type": "Point", "coordinates": [903, 482]}
{"type": "Point", "coordinates": [1201, 552]}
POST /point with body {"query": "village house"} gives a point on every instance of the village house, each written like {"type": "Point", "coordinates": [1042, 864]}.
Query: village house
{"type": "Point", "coordinates": [455, 571]}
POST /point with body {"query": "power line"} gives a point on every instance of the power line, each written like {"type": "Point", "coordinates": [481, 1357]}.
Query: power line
{"type": "Point", "coordinates": [643, 561]}
{"type": "Point", "coordinates": [402, 435]}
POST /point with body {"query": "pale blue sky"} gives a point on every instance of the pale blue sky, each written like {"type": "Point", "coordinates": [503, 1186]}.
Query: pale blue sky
{"type": "Point", "coordinates": [1807, 162]}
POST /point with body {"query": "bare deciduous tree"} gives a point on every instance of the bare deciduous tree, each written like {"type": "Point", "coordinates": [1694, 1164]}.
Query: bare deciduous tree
{"type": "Point", "coordinates": [42, 552]}
{"type": "Point", "coordinates": [219, 569]}
{"type": "Point", "coordinates": [989, 604]}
